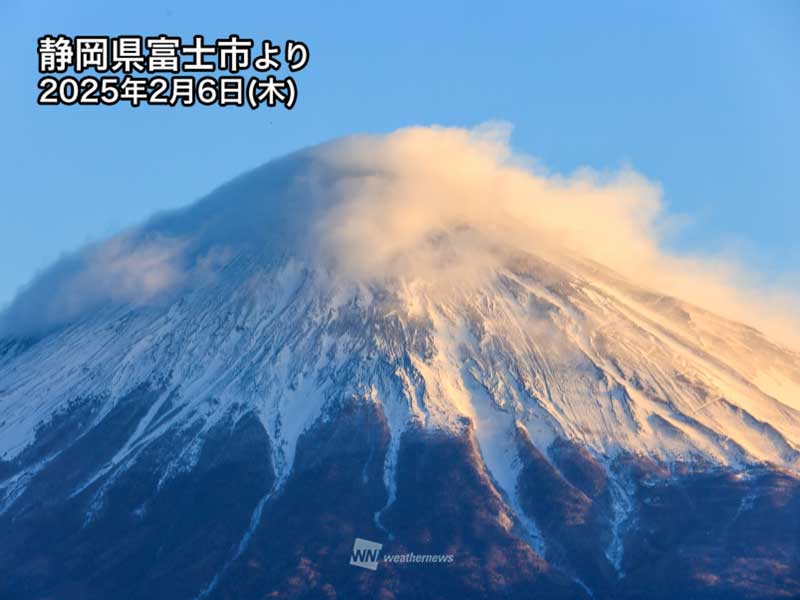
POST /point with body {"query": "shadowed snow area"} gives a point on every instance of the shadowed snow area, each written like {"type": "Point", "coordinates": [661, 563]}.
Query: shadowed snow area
{"type": "Point", "coordinates": [428, 272]}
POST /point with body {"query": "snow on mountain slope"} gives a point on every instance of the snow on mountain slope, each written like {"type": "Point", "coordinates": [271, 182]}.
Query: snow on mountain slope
{"type": "Point", "coordinates": [262, 299]}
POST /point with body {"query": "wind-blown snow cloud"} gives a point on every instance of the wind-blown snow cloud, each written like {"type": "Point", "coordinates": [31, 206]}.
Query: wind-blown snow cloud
{"type": "Point", "coordinates": [440, 204]}
{"type": "Point", "coordinates": [439, 207]}
{"type": "Point", "coordinates": [415, 185]}
{"type": "Point", "coordinates": [120, 270]}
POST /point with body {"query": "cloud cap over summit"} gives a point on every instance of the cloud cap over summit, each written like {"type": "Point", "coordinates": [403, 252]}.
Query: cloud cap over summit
{"type": "Point", "coordinates": [432, 205]}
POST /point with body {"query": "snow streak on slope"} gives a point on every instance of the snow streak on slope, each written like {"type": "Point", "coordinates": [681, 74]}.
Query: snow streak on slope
{"type": "Point", "coordinates": [250, 315]}
{"type": "Point", "coordinates": [559, 354]}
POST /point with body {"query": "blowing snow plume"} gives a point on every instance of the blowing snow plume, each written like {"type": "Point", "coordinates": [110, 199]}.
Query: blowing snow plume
{"type": "Point", "coordinates": [444, 205]}
{"type": "Point", "coordinates": [446, 291]}
{"type": "Point", "coordinates": [433, 207]}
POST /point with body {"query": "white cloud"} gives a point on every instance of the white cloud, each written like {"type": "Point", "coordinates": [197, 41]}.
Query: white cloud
{"type": "Point", "coordinates": [439, 206]}
{"type": "Point", "coordinates": [442, 205]}
{"type": "Point", "coordinates": [123, 269]}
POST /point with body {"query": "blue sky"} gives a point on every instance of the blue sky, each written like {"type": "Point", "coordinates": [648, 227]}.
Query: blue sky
{"type": "Point", "coordinates": [701, 97]}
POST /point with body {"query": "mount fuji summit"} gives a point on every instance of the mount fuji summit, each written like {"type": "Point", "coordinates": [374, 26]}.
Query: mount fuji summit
{"type": "Point", "coordinates": [418, 339]}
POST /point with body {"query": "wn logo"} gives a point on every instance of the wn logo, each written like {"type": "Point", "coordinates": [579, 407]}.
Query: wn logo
{"type": "Point", "coordinates": [365, 554]}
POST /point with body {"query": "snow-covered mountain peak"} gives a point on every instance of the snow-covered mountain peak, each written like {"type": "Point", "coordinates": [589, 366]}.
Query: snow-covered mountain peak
{"type": "Point", "coordinates": [425, 272]}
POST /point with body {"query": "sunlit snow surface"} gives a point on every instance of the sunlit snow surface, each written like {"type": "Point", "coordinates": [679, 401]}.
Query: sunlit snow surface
{"type": "Point", "coordinates": [564, 353]}
{"type": "Point", "coordinates": [234, 319]}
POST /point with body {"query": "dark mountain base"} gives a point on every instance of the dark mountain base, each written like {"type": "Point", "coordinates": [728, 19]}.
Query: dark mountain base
{"type": "Point", "coordinates": [688, 535]}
